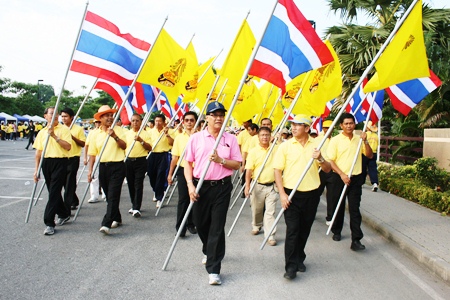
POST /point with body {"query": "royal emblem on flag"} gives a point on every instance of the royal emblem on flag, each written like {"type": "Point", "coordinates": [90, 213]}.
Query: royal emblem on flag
{"type": "Point", "coordinates": [171, 77]}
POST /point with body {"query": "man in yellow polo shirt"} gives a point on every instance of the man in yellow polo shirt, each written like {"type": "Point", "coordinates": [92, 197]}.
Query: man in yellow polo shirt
{"type": "Point", "coordinates": [78, 141]}
{"type": "Point", "coordinates": [136, 162]}
{"type": "Point", "coordinates": [263, 198]}
{"type": "Point", "coordinates": [179, 144]}
{"type": "Point", "coordinates": [112, 168]}
{"type": "Point", "coordinates": [341, 152]}
{"type": "Point", "coordinates": [290, 162]}
{"type": "Point", "coordinates": [159, 159]}
{"type": "Point", "coordinates": [54, 168]}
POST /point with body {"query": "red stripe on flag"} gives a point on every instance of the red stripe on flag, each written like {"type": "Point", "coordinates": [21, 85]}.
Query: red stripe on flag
{"type": "Point", "coordinates": [276, 77]}
{"type": "Point", "coordinates": [94, 71]}
{"type": "Point", "coordinates": [101, 22]}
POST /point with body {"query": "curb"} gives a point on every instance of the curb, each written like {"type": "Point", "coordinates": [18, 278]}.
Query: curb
{"type": "Point", "coordinates": [435, 264]}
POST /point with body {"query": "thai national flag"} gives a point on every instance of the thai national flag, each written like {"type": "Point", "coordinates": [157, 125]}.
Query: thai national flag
{"type": "Point", "coordinates": [290, 47]}
{"type": "Point", "coordinates": [328, 108]}
{"type": "Point", "coordinates": [317, 124]}
{"type": "Point", "coordinates": [406, 95]}
{"type": "Point", "coordinates": [164, 106]}
{"type": "Point", "coordinates": [118, 93]}
{"type": "Point", "coordinates": [104, 52]}
{"type": "Point", "coordinates": [360, 103]}
{"type": "Point", "coordinates": [290, 117]}
{"type": "Point", "coordinates": [184, 107]}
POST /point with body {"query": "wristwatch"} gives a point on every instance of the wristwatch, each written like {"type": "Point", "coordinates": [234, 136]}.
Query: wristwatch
{"type": "Point", "coordinates": [142, 143]}
{"type": "Point", "coordinates": [223, 161]}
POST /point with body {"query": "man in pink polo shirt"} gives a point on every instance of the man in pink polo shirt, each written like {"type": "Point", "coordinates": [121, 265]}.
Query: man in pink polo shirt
{"type": "Point", "coordinates": [212, 201]}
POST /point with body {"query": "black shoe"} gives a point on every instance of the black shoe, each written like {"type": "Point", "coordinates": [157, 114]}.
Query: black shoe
{"type": "Point", "coordinates": [192, 230]}
{"type": "Point", "coordinates": [337, 237]}
{"type": "Point", "coordinates": [73, 207]}
{"type": "Point", "coordinates": [301, 267]}
{"type": "Point", "coordinates": [290, 274]}
{"type": "Point", "coordinates": [357, 246]}
{"type": "Point", "coordinates": [183, 234]}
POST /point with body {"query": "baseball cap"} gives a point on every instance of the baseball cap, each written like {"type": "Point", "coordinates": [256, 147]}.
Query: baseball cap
{"type": "Point", "coordinates": [215, 106]}
{"type": "Point", "coordinates": [302, 119]}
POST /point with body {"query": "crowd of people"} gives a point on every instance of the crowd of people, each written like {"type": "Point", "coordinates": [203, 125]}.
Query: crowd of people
{"type": "Point", "coordinates": [19, 131]}
{"type": "Point", "coordinates": [271, 165]}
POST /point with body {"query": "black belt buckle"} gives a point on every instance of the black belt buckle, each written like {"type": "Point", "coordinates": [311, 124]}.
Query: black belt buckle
{"type": "Point", "coordinates": [213, 182]}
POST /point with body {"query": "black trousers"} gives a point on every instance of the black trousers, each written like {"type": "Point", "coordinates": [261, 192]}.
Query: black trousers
{"type": "Point", "coordinates": [353, 194]}
{"type": "Point", "coordinates": [210, 214]}
{"type": "Point", "coordinates": [54, 170]}
{"type": "Point", "coordinates": [327, 182]}
{"type": "Point", "coordinates": [370, 165]}
{"type": "Point", "coordinates": [70, 187]}
{"type": "Point", "coordinates": [111, 176]}
{"type": "Point", "coordinates": [157, 166]}
{"type": "Point", "coordinates": [30, 140]}
{"type": "Point", "coordinates": [299, 218]}
{"type": "Point", "coordinates": [183, 201]}
{"type": "Point", "coordinates": [136, 168]}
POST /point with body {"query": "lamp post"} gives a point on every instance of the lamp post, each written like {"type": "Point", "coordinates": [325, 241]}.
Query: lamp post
{"type": "Point", "coordinates": [39, 89]}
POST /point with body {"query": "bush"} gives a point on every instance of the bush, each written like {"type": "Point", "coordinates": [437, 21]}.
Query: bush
{"type": "Point", "coordinates": [417, 183]}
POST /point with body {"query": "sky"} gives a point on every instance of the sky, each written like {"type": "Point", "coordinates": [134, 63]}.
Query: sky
{"type": "Point", "coordinates": [38, 36]}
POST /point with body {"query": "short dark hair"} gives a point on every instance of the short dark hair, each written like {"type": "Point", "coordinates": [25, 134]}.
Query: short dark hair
{"type": "Point", "coordinates": [161, 116]}
{"type": "Point", "coordinates": [264, 119]}
{"type": "Point", "coordinates": [138, 115]}
{"type": "Point", "coordinates": [346, 116]}
{"type": "Point", "coordinates": [152, 121]}
{"type": "Point", "coordinates": [68, 111]}
{"type": "Point", "coordinates": [254, 126]}
{"type": "Point", "coordinates": [265, 129]}
{"type": "Point", "coordinates": [191, 113]}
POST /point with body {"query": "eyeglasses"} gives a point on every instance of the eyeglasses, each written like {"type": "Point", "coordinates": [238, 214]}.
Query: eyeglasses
{"type": "Point", "coordinates": [189, 120]}
{"type": "Point", "coordinates": [217, 115]}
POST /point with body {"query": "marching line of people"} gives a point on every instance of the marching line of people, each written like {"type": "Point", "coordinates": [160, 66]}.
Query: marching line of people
{"type": "Point", "coordinates": [192, 151]}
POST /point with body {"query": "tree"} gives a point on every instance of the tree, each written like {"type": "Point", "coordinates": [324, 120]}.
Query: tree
{"type": "Point", "coordinates": [357, 45]}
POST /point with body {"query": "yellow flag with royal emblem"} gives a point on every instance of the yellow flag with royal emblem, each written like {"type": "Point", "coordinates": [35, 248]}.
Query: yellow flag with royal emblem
{"type": "Point", "coordinates": [190, 77]}
{"type": "Point", "coordinates": [405, 57]}
{"type": "Point", "coordinates": [169, 67]}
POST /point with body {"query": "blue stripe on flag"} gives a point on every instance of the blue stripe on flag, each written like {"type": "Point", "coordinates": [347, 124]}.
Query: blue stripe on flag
{"type": "Point", "coordinates": [276, 38]}
{"type": "Point", "coordinates": [149, 96]}
{"type": "Point", "coordinates": [414, 89]}
{"type": "Point", "coordinates": [99, 47]}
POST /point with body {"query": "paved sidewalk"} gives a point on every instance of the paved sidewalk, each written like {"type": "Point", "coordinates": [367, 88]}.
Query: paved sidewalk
{"type": "Point", "coordinates": [419, 231]}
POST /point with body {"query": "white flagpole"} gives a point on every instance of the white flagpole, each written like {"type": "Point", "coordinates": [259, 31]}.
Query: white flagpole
{"type": "Point", "coordinates": [222, 130]}
{"type": "Point", "coordinates": [54, 113]}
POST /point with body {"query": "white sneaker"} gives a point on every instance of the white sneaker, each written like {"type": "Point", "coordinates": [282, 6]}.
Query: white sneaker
{"type": "Point", "coordinates": [158, 204]}
{"type": "Point", "coordinates": [204, 259]}
{"type": "Point", "coordinates": [328, 223]}
{"type": "Point", "coordinates": [214, 279]}
{"type": "Point", "coordinates": [154, 198]}
{"type": "Point", "coordinates": [375, 187]}
{"type": "Point", "coordinates": [93, 200]}
{"type": "Point", "coordinates": [104, 196]}
{"type": "Point", "coordinates": [130, 211]}
{"type": "Point", "coordinates": [136, 214]}
{"type": "Point", "coordinates": [115, 224]}
{"type": "Point", "coordinates": [104, 230]}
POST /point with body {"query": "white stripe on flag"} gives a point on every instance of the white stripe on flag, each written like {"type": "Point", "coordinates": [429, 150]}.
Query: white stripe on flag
{"type": "Point", "coordinates": [104, 64]}
{"type": "Point", "coordinates": [270, 58]}
{"type": "Point", "coordinates": [297, 37]}
{"type": "Point", "coordinates": [402, 96]}
{"type": "Point", "coordinates": [108, 35]}
{"type": "Point", "coordinates": [428, 83]}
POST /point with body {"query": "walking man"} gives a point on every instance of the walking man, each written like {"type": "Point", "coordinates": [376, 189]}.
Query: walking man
{"type": "Point", "coordinates": [54, 168]}
{"type": "Point", "coordinates": [290, 162]}
{"type": "Point", "coordinates": [112, 168]}
{"type": "Point", "coordinates": [341, 152]}
{"type": "Point", "coordinates": [212, 201]}
{"type": "Point", "coordinates": [263, 198]}
{"type": "Point", "coordinates": [179, 144]}
{"type": "Point", "coordinates": [78, 139]}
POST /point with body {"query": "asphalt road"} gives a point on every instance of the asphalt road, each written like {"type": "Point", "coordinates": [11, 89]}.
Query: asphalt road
{"type": "Point", "coordinates": [78, 262]}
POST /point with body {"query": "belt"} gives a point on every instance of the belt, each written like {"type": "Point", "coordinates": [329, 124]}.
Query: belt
{"type": "Point", "coordinates": [215, 182]}
{"type": "Point", "coordinates": [266, 184]}
{"type": "Point", "coordinates": [136, 158]}
{"type": "Point", "coordinates": [111, 163]}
